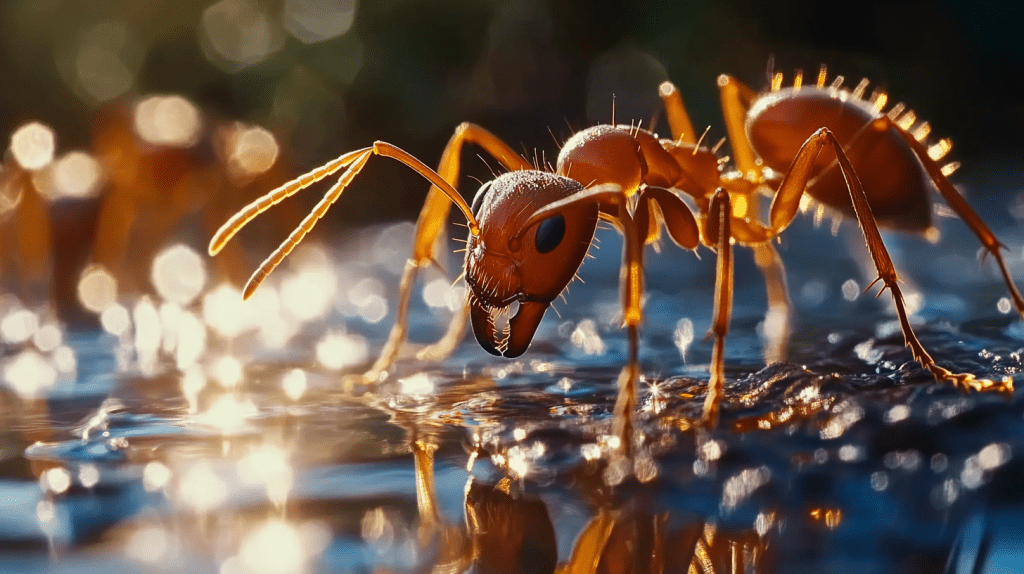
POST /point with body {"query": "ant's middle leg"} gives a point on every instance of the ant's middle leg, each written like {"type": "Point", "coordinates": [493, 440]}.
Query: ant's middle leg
{"type": "Point", "coordinates": [717, 230]}
{"type": "Point", "coordinates": [784, 208]}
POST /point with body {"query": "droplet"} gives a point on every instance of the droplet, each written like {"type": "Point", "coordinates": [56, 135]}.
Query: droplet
{"type": "Point", "coordinates": [851, 290]}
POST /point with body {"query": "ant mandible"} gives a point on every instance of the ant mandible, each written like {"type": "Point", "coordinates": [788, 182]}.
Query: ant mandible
{"type": "Point", "coordinates": [529, 230]}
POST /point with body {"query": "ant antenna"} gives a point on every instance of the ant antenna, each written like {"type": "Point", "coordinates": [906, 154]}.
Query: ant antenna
{"type": "Point", "coordinates": [770, 71]}
{"type": "Point", "coordinates": [613, 110]}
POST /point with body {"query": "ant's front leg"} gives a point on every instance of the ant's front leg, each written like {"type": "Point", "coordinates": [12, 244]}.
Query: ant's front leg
{"type": "Point", "coordinates": [429, 235]}
{"type": "Point", "coordinates": [784, 208]}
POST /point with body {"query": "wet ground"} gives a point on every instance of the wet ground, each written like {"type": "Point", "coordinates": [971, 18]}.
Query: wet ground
{"type": "Point", "coordinates": [199, 435]}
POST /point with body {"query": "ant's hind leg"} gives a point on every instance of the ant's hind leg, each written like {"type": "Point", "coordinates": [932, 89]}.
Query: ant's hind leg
{"type": "Point", "coordinates": [784, 208]}
{"type": "Point", "coordinates": [956, 201]}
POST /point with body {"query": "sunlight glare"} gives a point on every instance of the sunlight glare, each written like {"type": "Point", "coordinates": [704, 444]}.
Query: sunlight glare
{"type": "Point", "coordinates": [18, 326]}
{"type": "Point", "coordinates": [228, 372]}
{"type": "Point", "coordinates": [29, 374]}
{"type": "Point", "coordinates": [155, 476]}
{"type": "Point", "coordinates": [56, 480]}
{"type": "Point", "coordinates": [367, 297]}
{"type": "Point", "coordinates": [97, 289]}
{"type": "Point", "coordinates": [48, 338]}
{"type": "Point", "coordinates": [32, 145]}
{"type": "Point", "coordinates": [147, 544]}
{"type": "Point", "coordinates": [167, 121]}
{"type": "Point", "coordinates": [339, 349]}
{"type": "Point", "coordinates": [147, 334]}
{"type": "Point", "coordinates": [418, 385]}
{"type": "Point", "coordinates": [192, 383]}
{"type": "Point", "coordinates": [268, 465]}
{"type": "Point", "coordinates": [276, 547]}
{"type": "Point", "coordinates": [683, 336]}
{"type": "Point", "coordinates": [76, 175]}
{"type": "Point", "coordinates": [88, 475]}
{"type": "Point", "coordinates": [308, 294]}
{"type": "Point", "coordinates": [178, 274]}
{"type": "Point", "coordinates": [294, 384]}
{"type": "Point", "coordinates": [252, 150]}
{"type": "Point", "coordinates": [201, 488]}
{"type": "Point", "coordinates": [227, 415]}
{"type": "Point", "coordinates": [191, 340]}
{"type": "Point", "coordinates": [739, 487]}
{"type": "Point", "coordinates": [116, 320]}
{"type": "Point", "coordinates": [224, 310]}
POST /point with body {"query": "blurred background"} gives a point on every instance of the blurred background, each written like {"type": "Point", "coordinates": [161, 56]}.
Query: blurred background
{"type": "Point", "coordinates": [150, 122]}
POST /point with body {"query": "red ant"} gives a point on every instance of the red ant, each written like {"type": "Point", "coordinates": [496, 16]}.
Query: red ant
{"type": "Point", "coordinates": [529, 230]}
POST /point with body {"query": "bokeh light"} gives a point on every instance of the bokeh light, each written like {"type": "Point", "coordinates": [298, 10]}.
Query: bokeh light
{"type": "Point", "coordinates": [29, 374]}
{"type": "Point", "coordinates": [201, 488]}
{"type": "Point", "coordinates": [168, 121]}
{"type": "Point", "coordinates": [179, 274]}
{"type": "Point", "coordinates": [103, 62]}
{"type": "Point", "coordinates": [75, 175]}
{"type": "Point", "coordinates": [317, 20]}
{"type": "Point", "coordinates": [339, 349]}
{"type": "Point", "coordinates": [97, 289]}
{"type": "Point", "coordinates": [252, 150]}
{"type": "Point", "coordinates": [33, 145]}
{"type": "Point", "coordinates": [239, 33]}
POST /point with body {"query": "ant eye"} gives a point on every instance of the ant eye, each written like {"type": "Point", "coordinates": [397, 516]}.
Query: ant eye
{"type": "Point", "coordinates": [550, 233]}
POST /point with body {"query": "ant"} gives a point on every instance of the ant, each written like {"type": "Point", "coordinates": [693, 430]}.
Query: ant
{"type": "Point", "coordinates": [529, 229]}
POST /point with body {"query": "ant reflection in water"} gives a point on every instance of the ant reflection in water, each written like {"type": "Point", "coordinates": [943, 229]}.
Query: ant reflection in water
{"type": "Point", "coordinates": [530, 228]}
{"type": "Point", "coordinates": [508, 531]}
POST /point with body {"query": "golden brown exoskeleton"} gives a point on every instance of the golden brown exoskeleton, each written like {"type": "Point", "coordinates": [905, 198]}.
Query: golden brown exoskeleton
{"type": "Point", "coordinates": [529, 230]}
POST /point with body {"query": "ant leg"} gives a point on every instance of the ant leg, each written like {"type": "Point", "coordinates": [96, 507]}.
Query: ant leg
{"type": "Point", "coordinates": [613, 202]}
{"type": "Point", "coordinates": [656, 207]}
{"type": "Point", "coordinates": [675, 110]}
{"type": "Point", "coordinates": [736, 98]}
{"type": "Point", "coordinates": [990, 244]}
{"type": "Point", "coordinates": [784, 208]}
{"type": "Point", "coordinates": [717, 229]}
{"type": "Point", "coordinates": [426, 492]}
{"type": "Point", "coordinates": [430, 227]}
{"type": "Point", "coordinates": [631, 279]}
{"type": "Point", "coordinates": [777, 319]}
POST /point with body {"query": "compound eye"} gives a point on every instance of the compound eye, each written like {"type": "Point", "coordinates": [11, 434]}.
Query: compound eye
{"type": "Point", "coordinates": [550, 233]}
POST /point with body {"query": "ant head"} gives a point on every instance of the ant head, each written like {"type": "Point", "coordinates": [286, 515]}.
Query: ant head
{"type": "Point", "coordinates": [515, 273]}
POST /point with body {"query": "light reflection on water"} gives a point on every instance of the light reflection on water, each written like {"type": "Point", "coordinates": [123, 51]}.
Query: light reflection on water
{"type": "Point", "coordinates": [205, 434]}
